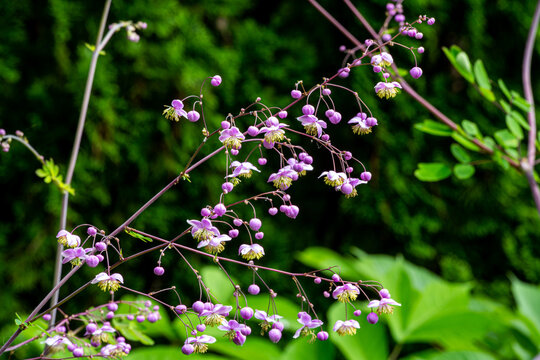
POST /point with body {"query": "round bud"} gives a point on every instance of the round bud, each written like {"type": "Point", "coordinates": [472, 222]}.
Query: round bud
{"type": "Point", "coordinates": [237, 222]}
{"type": "Point", "coordinates": [140, 318]}
{"type": "Point", "coordinates": [286, 197]}
{"type": "Point", "coordinates": [357, 312]}
{"type": "Point", "coordinates": [109, 315]}
{"type": "Point", "coordinates": [201, 327]}
{"type": "Point", "coordinates": [225, 125]}
{"type": "Point", "coordinates": [227, 187]}
{"type": "Point", "coordinates": [377, 69]}
{"type": "Point", "coordinates": [322, 335]}
{"type": "Point", "coordinates": [255, 224]}
{"type": "Point", "coordinates": [384, 293]}
{"type": "Point", "coordinates": [91, 328]}
{"type": "Point", "coordinates": [234, 233]}
{"type": "Point", "coordinates": [92, 231]}
{"type": "Point", "coordinates": [329, 113]}
{"type": "Point", "coordinates": [78, 352]}
{"type": "Point", "coordinates": [284, 208]}
{"type": "Point", "coordinates": [344, 72]}
{"type": "Point", "coordinates": [253, 130]}
{"type": "Point", "coordinates": [254, 289]}
{"type": "Point", "coordinates": [188, 349]}
{"type": "Point", "coordinates": [326, 91]}
{"type": "Point", "coordinates": [421, 50]}
{"type": "Point", "coordinates": [208, 305]}
{"type": "Point", "coordinates": [325, 137]}
{"type": "Point", "coordinates": [92, 261]}
{"type": "Point", "coordinates": [61, 329]}
{"type": "Point", "coordinates": [346, 189]}
{"type": "Point", "coordinates": [273, 211]}
{"type": "Point", "coordinates": [342, 48]}
{"type": "Point", "coordinates": [2, 132]}
{"type": "Point", "coordinates": [180, 309]}
{"type": "Point", "coordinates": [198, 306]}
{"type": "Point", "coordinates": [419, 35]}
{"type": "Point", "coordinates": [399, 18]}
{"type": "Point", "coordinates": [296, 94]}
{"type": "Point", "coordinates": [302, 156]}
{"type": "Point", "coordinates": [317, 280]}
{"type": "Point", "coordinates": [205, 212]}
{"type": "Point", "coordinates": [71, 347]}
{"type": "Point", "coordinates": [274, 335]}
{"type": "Point", "coordinates": [308, 160]}
{"type": "Point", "coordinates": [112, 306]}
{"type": "Point", "coordinates": [282, 114]}
{"type": "Point", "coordinates": [262, 161]}
{"type": "Point", "coordinates": [193, 116]}
{"type": "Point", "coordinates": [365, 176]}
{"type": "Point", "coordinates": [278, 325]}
{"type": "Point", "coordinates": [371, 121]}
{"type": "Point", "coordinates": [220, 209]}
{"type": "Point", "coordinates": [347, 155]}
{"type": "Point", "coordinates": [272, 121]}
{"type": "Point", "coordinates": [349, 169]}
{"type": "Point", "coordinates": [130, 317]}
{"type": "Point", "coordinates": [386, 75]}
{"type": "Point", "coordinates": [246, 330]}
{"type": "Point", "coordinates": [100, 246]}
{"type": "Point", "coordinates": [372, 318]}
{"type": "Point", "coordinates": [308, 110]}
{"type": "Point", "coordinates": [293, 211]}
{"type": "Point", "coordinates": [336, 118]}
{"type": "Point", "coordinates": [246, 313]}
{"type": "Point", "coordinates": [47, 317]}
{"type": "Point", "coordinates": [100, 257]}
{"type": "Point", "coordinates": [259, 235]}
{"type": "Point", "coordinates": [386, 37]}
{"type": "Point", "coordinates": [415, 72]}
{"type": "Point", "coordinates": [158, 270]}
{"type": "Point", "coordinates": [216, 80]}
{"type": "Point", "coordinates": [234, 152]}
{"type": "Point", "coordinates": [431, 21]}
{"type": "Point", "coordinates": [326, 294]}
{"type": "Point", "coordinates": [336, 278]}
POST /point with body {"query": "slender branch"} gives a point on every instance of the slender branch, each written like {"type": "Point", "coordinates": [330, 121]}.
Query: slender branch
{"type": "Point", "coordinates": [75, 152]}
{"type": "Point", "coordinates": [27, 145]}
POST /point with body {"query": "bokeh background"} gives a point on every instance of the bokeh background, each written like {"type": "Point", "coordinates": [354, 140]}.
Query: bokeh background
{"type": "Point", "coordinates": [479, 233]}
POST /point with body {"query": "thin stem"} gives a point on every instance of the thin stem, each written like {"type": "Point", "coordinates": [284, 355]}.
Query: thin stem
{"type": "Point", "coordinates": [75, 152]}
{"type": "Point", "coordinates": [27, 145]}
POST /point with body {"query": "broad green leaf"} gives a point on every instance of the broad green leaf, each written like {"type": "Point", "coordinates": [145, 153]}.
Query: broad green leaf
{"type": "Point", "coordinates": [506, 107]}
{"type": "Point", "coordinates": [320, 258]}
{"type": "Point", "coordinates": [463, 171]}
{"type": "Point", "coordinates": [489, 142]}
{"type": "Point", "coordinates": [466, 143]}
{"type": "Point", "coordinates": [137, 235]}
{"type": "Point", "coordinates": [161, 352]}
{"type": "Point", "coordinates": [217, 282]}
{"type": "Point", "coordinates": [432, 172]}
{"type": "Point", "coordinates": [514, 127]}
{"type": "Point", "coordinates": [302, 349]}
{"type": "Point", "coordinates": [520, 119]}
{"type": "Point", "coordinates": [433, 128]}
{"type": "Point", "coordinates": [488, 94]}
{"type": "Point", "coordinates": [254, 347]}
{"type": "Point", "coordinates": [519, 101]}
{"type": "Point", "coordinates": [450, 355]}
{"type": "Point", "coordinates": [504, 90]}
{"type": "Point", "coordinates": [481, 76]}
{"type": "Point", "coordinates": [506, 139]}
{"type": "Point", "coordinates": [528, 302]}
{"type": "Point", "coordinates": [130, 331]}
{"type": "Point", "coordinates": [471, 128]}
{"type": "Point", "coordinates": [464, 66]}
{"type": "Point", "coordinates": [369, 343]}
{"type": "Point", "coordinates": [498, 158]}
{"type": "Point", "coordinates": [41, 173]}
{"type": "Point", "coordinates": [460, 153]}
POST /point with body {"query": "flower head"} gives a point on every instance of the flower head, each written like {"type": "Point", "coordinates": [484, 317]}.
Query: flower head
{"type": "Point", "coordinates": [101, 334]}
{"type": "Point", "coordinates": [384, 305]}
{"type": "Point", "coordinates": [362, 124]}
{"type": "Point", "coordinates": [216, 316]}
{"type": "Point", "coordinates": [307, 324]}
{"type": "Point", "coordinates": [68, 239]}
{"type": "Point", "coordinates": [244, 169]}
{"type": "Point", "coordinates": [312, 125]}
{"type": "Point", "coordinates": [215, 245]}
{"type": "Point", "coordinates": [382, 60]}
{"type": "Point", "coordinates": [299, 166]}
{"type": "Point", "coordinates": [200, 343]}
{"type": "Point", "coordinates": [108, 282]}
{"type": "Point", "coordinates": [250, 252]}
{"type": "Point", "coordinates": [175, 111]}
{"type": "Point", "coordinates": [333, 178]}
{"type": "Point", "coordinates": [347, 327]}
{"type": "Point", "coordinates": [203, 230]}
{"type": "Point", "coordinates": [232, 138]}
{"type": "Point", "coordinates": [75, 256]}
{"type": "Point", "coordinates": [266, 320]}
{"type": "Point", "coordinates": [118, 350]}
{"type": "Point", "coordinates": [283, 178]}
{"type": "Point", "coordinates": [349, 187]}
{"type": "Point", "coordinates": [234, 331]}
{"type": "Point", "coordinates": [346, 293]}
{"type": "Point", "coordinates": [273, 131]}
{"type": "Point", "coordinates": [57, 342]}
{"type": "Point", "coordinates": [387, 89]}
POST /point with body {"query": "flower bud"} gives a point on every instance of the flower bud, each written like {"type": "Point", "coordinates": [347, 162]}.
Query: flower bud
{"type": "Point", "coordinates": [246, 313]}
{"type": "Point", "coordinates": [188, 349]}
{"type": "Point", "coordinates": [255, 224]}
{"type": "Point", "coordinates": [254, 289]}
{"type": "Point", "coordinates": [198, 306]}
{"type": "Point", "coordinates": [92, 260]}
{"type": "Point", "coordinates": [274, 335]}
{"type": "Point", "coordinates": [278, 325]}
{"type": "Point", "coordinates": [372, 318]}
{"type": "Point", "coordinates": [201, 327]}
{"type": "Point", "coordinates": [234, 233]}
{"type": "Point", "coordinates": [415, 72]}
{"type": "Point", "coordinates": [273, 211]}
{"type": "Point", "coordinates": [220, 209]}
{"type": "Point", "coordinates": [326, 91]}
{"type": "Point", "coordinates": [365, 176]}
{"type": "Point", "coordinates": [322, 335]}
{"type": "Point", "coordinates": [262, 161]}
{"type": "Point", "coordinates": [296, 94]}
{"type": "Point", "coordinates": [237, 222]}
{"type": "Point", "coordinates": [158, 270]}
{"type": "Point", "coordinates": [308, 110]}
{"type": "Point", "coordinates": [317, 280]}
{"type": "Point", "coordinates": [357, 312]}
{"type": "Point", "coordinates": [193, 116]}
{"type": "Point", "coordinates": [180, 309]}
{"type": "Point", "coordinates": [216, 80]}
{"type": "Point", "coordinates": [282, 114]}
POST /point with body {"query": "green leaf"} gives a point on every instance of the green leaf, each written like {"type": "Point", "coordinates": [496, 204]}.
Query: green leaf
{"type": "Point", "coordinates": [218, 282]}
{"type": "Point", "coordinates": [460, 61]}
{"type": "Point", "coordinates": [432, 172]}
{"type": "Point", "coordinates": [506, 139]}
{"type": "Point", "coordinates": [506, 107]}
{"type": "Point", "coordinates": [488, 94]}
{"type": "Point", "coordinates": [504, 90]}
{"type": "Point", "coordinates": [41, 173]}
{"type": "Point", "coordinates": [130, 331]}
{"type": "Point", "coordinates": [320, 258]}
{"type": "Point", "coordinates": [433, 128]}
{"type": "Point", "coordinates": [514, 127]}
{"type": "Point", "coordinates": [460, 153]}
{"type": "Point", "coordinates": [466, 143]}
{"type": "Point", "coordinates": [471, 128]}
{"type": "Point", "coordinates": [520, 119]}
{"type": "Point", "coordinates": [137, 235]}
{"type": "Point", "coordinates": [463, 171]}
{"type": "Point", "coordinates": [161, 352]}
{"type": "Point", "coordinates": [519, 101]}
{"type": "Point", "coordinates": [302, 349]}
{"type": "Point", "coordinates": [481, 75]}
{"type": "Point", "coordinates": [528, 299]}
{"type": "Point", "coordinates": [449, 355]}
{"type": "Point", "coordinates": [498, 158]}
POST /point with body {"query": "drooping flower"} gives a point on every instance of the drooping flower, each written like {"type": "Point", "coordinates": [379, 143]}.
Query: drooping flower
{"type": "Point", "coordinates": [348, 188]}
{"type": "Point", "coordinates": [346, 293]}
{"type": "Point", "coordinates": [250, 252]}
{"type": "Point", "coordinates": [382, 60]}
{"type": "Point", "coordinates": [232, 138]}
{"type": "Point", "coordinates": [283, 178]}
{"type": "Point", "coordinates": [307, 324]}
{"type": "Point", "coordinates": [361, 124]}
{"type": "Point", "coordinates": [216, 315]}
{"type": "Point", "coordinates": [57, 342]}
{"type": "Point", "coordinates": [75, 256]}
{"type": "Point", "coordinates": [118, 350]}
{"type": "Point", "coordinates": [108, 282]}
{"type": "Point", "coordinates": [333, 178]}
{"type": "Point", "coordinates": [312, 124]}
{"type": "Point", "coordinates": [299, 166]}
{"type": "Point", "coordinates": [215, 245]}
{"type": "Point", "coordinates": [387, 89]}
{"type": "Point", "coordinates": [347, 327]}
{"type": "Point", "coordinates": [203, 230]}
{"type": "Point", "coordinates": [384, 305]}
{"type": "Point", "coordinates": [175, 111]}
{"type": "Point", "coordinates": [273, 131]}
{"type": "Point", "coordinates": [200, 343]}
{"type": "Point", "coordinates": [101, 334]}
{"type": "Point", "coordinates": [266, 320]}
{"type": "Point", "coordinates": [68, 239]}
{"type": "Point", "coordinates": [234, 331]}
{"type": "Point", "coordinates": [244, 169]}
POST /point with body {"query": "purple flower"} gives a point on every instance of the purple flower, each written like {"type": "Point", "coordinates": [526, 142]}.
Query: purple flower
{"type": "Point", "coordinates": [347, 327]}
{"type": "Point", "coordinates": [215, 245]}
{"type": "Point", "coordinates": [387, 89]}
{"type": "Point", "coordinates": [382, 60]}
{"type": "Point", "coordinates": [244, 169]}
{"type": "Point", "coordinates": [333, 178]}
{"type": "Point", "coordinates": [101, 334]}
{"type": "Point", "coordinates": [416, 72]}
{"type": "Point", "coordinates": [348, 188]}
{"type": "Point", "coordinates": [216, 80]}
{"type": "Point", "coordinates": [384, 305]}
{"type": "Point", "coordinates": [178, 106]}
{"type": "Point", "coordinates": [250, 252]}
{"type": "Point", "coordinates": [232, 138]}
{"type": "Point", "coordinates": [234, 331]}
{"type": "Point", "coordinates": [199, 343]}
{"type": "Point", "coordinates": [68, 239]}
{"type": "Point", "coordinates": [266, 320]}
{"type": "Point", "coordinates": [273, 131]}
{"type": "Point", "coordinates": [361, 125]}
{"type": "Point", "coordinates": [216, 315]}
{"type": "Point", "coordinates": [57, 342]}
{"type": "Point", "coordinates": [299, 166]}
{"type": "Point", "coordinates": [312, 125]}
{"type": "Point", "coordinates": [346, 293]}
{"type": "Point", "coordinates": [305, 319]}
{"type": "Point", "coordinates": [75, 256]}
{"type": "Point", "coordinates": [118, 350]}
{"type": "Point", "coordinates": [283, 178]}
{"type": "Point", "coordinates": [203, 230]}
{"type": "Point", "coordinates": [108, 282]}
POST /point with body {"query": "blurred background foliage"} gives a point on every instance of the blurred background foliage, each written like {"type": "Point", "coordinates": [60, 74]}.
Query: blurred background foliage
{"type": "Point", "coordinates": [475, 232]}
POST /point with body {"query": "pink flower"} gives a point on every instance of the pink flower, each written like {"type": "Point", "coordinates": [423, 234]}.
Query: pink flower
{"type": "Point", "coordinates": [347, 327]}
{"type": "Point", "coordinates": [108, 282]}
{"type": "Point", "coordinates": [305, 319]}
{"type": "Point", "coordinates": [250, 252]}
{"type": "Point", "coordinates": [346, 293]}
{"type": "Point", "coordinates": [384, 305]}
{"type": "Point", "coordinates": [232, 138]}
